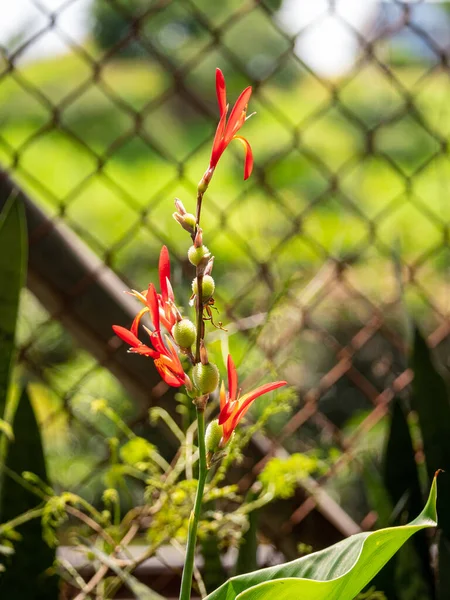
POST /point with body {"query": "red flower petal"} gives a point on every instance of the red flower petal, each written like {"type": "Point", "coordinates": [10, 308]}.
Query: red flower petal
{"type": "Point", "coordinates": [174, 356]}
{"type": "Point", "coordinates": [127, 336]}
{"type": "Point", "coordinates": [237, 115]}
{"type": "Point", "coordinates": [248, 167]}
{"type": "Point", "coordinates": [157, 341]}
{"type": "Point", "coordinates": [167, 375]}
{"type": "Point", "coordinates": [164, 272]}
{"type": "Point", "coordinates": [232, 379]}
{"type": "Point", "coordinates": [227, 411]}
{"type": "Point", "coordinates": [221, 92]}
{"type": "Point", "coordinates": [222, 396]}
{"type": "Point", "coordinates": [152, 300]}
{"type": "Point", "coordinates": [218, 143]}
{"type": "Point", "coordinates": [144, 350]}
{"type": "Point", "coordinates": [233, 412]}
{"type": "Point", "coordinates": [170, 293]}
{"type": "Point", "coordinates": [137, 319]}
{"type": "Point", "coordinates": [259, 391]}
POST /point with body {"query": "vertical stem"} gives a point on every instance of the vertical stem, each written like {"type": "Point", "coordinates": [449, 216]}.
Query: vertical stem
{"type": "Point", "coordinates": [199, 307]}
{"type": "Point", "coordinates": [199, 274]}
{"type": "Point", "coordinates": [186, 581]}
{"type": "Point", "coordinates": [199, 208]}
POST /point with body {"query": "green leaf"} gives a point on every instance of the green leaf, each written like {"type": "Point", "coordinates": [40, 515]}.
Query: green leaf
{"type": "Point", "coordinates": [6, 550]}
{"type": "Point", "coordinates": [13, 260]}
{"type": "Point", "coordinates": [443, 568]}
{"type": "Point", "coordinates": [430, 400]}
{"type": "Point", "coordinates": [6, 428]}
{"type": "Point", "coordinates": [402, 482]}
{"type": "Point", "coordinates": [380, 501]}
{"type": "Point", "coordinates": [25, 575]}
{"type": "Point", "coordinates": [248, 547]}
{"type": "Point", "coordinates": [337, 573]}
{"type": "Point", "coordinates": [213, 570]}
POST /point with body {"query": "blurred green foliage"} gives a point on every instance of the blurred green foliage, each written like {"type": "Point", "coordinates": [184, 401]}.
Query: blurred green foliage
{"type": "Point", "coordinates": [28, 572]}
{"type": "Point", "coordinates": [119, 199]}
{"type": "Point", "coordinates": [25, 564]}
{"type": "Point", "coordinates": [181, 31]}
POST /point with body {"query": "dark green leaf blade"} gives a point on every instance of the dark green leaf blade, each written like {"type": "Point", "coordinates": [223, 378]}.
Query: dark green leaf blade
{"type": "Point", "coordinates": [431, 402]}
{"type": "Point", "coordinates": [248, 548]}
{"type": "Point", "coordinates": [13, 260]}
{"type": "Point", "coordinates": [25, 576]}
{"type": "Point", "coordinates": [402, 482]}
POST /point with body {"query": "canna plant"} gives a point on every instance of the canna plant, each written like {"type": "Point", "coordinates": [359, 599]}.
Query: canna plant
{"type": "Point", "coordinates": [339, 572]}
{"type": "Point", "coordinates": [187, 338]}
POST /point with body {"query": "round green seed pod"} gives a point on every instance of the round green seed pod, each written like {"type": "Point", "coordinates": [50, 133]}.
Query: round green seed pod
{"type": "Point", "coordinates": [205, 377]}
{"type": "Point", "coordinates": [208, 287]}
{"type": "Point", "coordinates": [196, 255]}
{"type": "Point", "coordinates": [184, 333]}
{"type": "Point", "coordinates": [213, 435]}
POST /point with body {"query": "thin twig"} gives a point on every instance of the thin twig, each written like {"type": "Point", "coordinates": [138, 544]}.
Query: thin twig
{"type": "Point", "coordinates": [92, 583]}
{"type": "Point", "coordinates": [90, 523]}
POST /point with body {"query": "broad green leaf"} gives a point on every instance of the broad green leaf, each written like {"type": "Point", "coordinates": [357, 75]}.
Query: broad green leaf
{"type": "Point", "coordinates": [337, 573]}
{"type": "Point", "coordinates": [380, 501]}
{"type": "Point", "coordinates": [32, 556]}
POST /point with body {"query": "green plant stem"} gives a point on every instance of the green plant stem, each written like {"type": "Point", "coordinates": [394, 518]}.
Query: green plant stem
{"type": "Point", "coordinates": [200, 331]}
{"type": "Point", "coordinates": [186, 581]}
{"type": "Point", "coordinates": [21, 519]}
{"type": "Point", "coordinates": [199, 275]}
{"type": "Point", "coordinates": [199, 207]}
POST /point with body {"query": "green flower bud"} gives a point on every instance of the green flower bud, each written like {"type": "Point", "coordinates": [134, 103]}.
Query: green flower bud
{"type": "Point", "coordinates": [205, 377]}
{"type": "Point", "coordinates": [190, 220]}
{"type": "Point", "coordinates": [208, 287]}
{"type": "Point", "coordinates": [196, 255]}
{"type": "Point", "coordinates": [213, 435]}
{"type": "Point", "coordinates": [184, 333]}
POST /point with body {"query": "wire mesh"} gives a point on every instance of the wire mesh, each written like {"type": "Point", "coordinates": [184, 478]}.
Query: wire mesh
{"type": "Point", "coordinates": [341, 229]}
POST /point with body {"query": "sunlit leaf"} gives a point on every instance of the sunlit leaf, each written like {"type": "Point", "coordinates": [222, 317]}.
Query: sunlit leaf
{"type": "Point", "coordinates": [337, 573]}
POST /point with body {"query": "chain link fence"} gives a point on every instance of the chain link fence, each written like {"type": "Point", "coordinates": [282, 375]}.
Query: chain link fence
{"type": "Point", "coordinates": [339, 234]}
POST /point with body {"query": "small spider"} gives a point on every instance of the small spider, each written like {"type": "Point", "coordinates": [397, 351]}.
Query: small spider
{"type": "Point", "coordinates": [207, 308]}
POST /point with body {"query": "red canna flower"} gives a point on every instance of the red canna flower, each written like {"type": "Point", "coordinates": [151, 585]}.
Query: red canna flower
{"type": "Point", "coordinates": [164, 355]}
{"type": "Point", "coordinates": [168, 312]}
{"type": "Point", "coordinates": [233, 406]}
{"type": "Point", "coordinates": [227, 130]}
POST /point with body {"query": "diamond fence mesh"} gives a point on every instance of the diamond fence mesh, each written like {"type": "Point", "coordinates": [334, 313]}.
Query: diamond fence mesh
{"type": "Point", "coordinates": [342, 228]}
